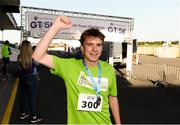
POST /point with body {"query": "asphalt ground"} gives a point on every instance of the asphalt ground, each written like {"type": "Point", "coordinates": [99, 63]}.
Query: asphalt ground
{"type": "Point", "coordinates": [6, 87]}
{"type": "Point", "coordinates": [154, 59]}
{"type": "Point", "coordinates": [140, 102]}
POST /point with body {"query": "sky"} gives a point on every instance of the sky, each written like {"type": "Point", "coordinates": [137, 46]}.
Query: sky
{"type": "Point", "coordinates": [154, 20]}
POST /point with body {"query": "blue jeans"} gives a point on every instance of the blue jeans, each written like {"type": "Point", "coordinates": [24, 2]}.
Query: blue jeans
{"type": "Point", "coordinates": [28, 93]}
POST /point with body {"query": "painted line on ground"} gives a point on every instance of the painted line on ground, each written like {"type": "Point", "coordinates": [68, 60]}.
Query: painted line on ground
{"type": "Point", "coordinates": [7, 113]}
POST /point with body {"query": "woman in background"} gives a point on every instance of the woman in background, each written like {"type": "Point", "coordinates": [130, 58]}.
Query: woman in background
{"type": "Point", "coordinates": [37, 65]}
{"type": "Point", "coordinates": [28, 83]}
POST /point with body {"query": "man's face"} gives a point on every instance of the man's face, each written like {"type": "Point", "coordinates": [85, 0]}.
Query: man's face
{"type": "Point", "coordinates": [92, 49]}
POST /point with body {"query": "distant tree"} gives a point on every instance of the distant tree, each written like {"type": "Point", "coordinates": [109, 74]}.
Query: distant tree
{"type": "Point", "coordinates": [175, 42]}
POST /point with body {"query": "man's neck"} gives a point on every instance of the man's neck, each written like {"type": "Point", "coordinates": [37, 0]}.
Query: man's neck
{"type": "Point", "coordinates": [90, 63]}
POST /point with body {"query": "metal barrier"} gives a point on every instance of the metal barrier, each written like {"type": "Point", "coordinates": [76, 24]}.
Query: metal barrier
{"type": "Point", "coordinates": [158, 72]}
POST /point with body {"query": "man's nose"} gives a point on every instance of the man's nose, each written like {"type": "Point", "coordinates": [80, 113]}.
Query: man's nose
{"type": "Point", "coordinates": [95, 47]}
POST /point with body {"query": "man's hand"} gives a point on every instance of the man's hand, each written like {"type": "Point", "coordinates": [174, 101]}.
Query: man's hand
{"type": "Point", "coordinates": [63, 22]}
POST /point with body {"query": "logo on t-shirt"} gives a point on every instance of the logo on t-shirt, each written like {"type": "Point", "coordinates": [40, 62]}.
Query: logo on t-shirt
{"type": "Point", "coordinates": [85, 81]}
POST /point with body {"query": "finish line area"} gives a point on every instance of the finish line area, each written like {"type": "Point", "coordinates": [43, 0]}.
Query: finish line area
{"type": "Point", "coordinates": [139, 101]}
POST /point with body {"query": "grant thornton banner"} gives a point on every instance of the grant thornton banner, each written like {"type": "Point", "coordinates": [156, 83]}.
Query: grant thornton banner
{"type": "Point", "coordinates": [38, 24]}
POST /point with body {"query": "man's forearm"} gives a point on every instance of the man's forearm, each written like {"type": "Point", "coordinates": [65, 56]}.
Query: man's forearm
{"type": "Point", "coordinates": [114, 105]}
{"type": "Point", "coordinates": [44, 43]}
{"type": "Point", "coordinates": [40, 53]}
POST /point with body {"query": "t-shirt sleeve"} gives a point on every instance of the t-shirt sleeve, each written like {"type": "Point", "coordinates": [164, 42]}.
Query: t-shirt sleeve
{"type": "Point", "coordinates": [60, 66]}
{"type": "Point", "coordinates": [113, 87]}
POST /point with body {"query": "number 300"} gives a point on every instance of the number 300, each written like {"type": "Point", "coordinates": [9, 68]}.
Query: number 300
{"type": "Point", "coordinates": [89, 104]}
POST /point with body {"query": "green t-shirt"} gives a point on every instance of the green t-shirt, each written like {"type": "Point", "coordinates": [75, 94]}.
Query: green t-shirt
{"type": "Point", "coordinates": [78, 84]}
{"type": "Point", "coordinates": [5, 51]}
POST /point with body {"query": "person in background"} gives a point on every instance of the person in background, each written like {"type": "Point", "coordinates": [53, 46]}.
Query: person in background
{"type": "Point", "coordinates": [90, 83]}
{"type": "Point", "coordinates": [6, 52]}
{"type": "Point", "coordinates": [37, 64]}
{"type": "Point", "coordinates": [28, 83]}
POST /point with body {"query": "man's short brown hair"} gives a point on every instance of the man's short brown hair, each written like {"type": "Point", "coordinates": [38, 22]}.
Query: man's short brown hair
{"type": "Point", "coordinates": [91, 32]}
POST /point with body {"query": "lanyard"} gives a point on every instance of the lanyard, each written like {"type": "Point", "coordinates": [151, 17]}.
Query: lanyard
{"type": "Point", "coordinates": [96, 85]}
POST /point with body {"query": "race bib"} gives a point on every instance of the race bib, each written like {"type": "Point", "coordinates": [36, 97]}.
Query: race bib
{"type": "Point", "coordinates": [87, 102]}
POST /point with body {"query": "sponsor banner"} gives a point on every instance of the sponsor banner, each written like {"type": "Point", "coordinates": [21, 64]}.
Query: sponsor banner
{"type": "Point", "coordinates": [38, 24]}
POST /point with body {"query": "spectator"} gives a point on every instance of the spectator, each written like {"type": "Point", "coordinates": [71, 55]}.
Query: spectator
{"type": "Point", "coordinates": [37, 64]}
{"type": "Point", "coordinates": [28, 83]}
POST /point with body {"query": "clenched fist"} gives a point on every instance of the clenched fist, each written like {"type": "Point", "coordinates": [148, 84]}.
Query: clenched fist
{"type": "Point", "coordinates": [63, 22]}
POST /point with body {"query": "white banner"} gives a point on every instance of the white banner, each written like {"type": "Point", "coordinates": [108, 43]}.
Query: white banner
{"type": "Point", "coordinates": [38, 25]}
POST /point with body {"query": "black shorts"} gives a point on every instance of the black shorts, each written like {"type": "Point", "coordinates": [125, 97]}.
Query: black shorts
{"type": "Point", "coordinates": [6, 60]}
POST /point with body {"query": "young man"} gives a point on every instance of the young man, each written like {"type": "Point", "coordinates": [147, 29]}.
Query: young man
{"type": "Point", "coordinates": [90, 83]}
{"type": "Point", "coordinates": [6, 52]}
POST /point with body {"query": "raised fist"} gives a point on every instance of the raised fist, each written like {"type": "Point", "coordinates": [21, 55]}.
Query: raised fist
{"type": "Point", "coordinates": [63, 22]}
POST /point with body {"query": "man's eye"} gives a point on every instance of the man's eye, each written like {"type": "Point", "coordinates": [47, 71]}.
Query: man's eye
{"type": "Point", "coordinates": [89, 44]}
{"type": "Point", "coordinates": [100, 45]}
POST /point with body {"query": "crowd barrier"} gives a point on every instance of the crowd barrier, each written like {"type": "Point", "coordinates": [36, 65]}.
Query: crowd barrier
{"type": "Point", "coordinates": [157, 72]}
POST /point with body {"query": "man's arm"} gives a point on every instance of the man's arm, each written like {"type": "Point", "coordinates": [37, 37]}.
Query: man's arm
{"type": "Point", "coordinates": [9, 49]}
{"type": "Point", "coordinates": [114, 105]}
{"type": "Point", "coordinates": [40, 54]}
